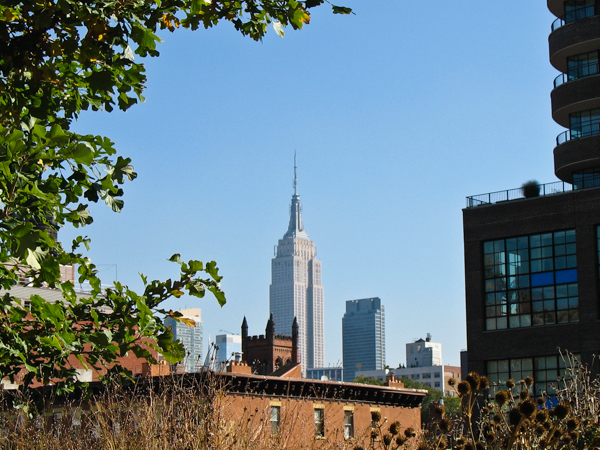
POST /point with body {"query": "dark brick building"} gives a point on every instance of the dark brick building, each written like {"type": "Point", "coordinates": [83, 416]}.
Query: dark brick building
{"type": "Point", "coordinates": [270, 352]}
{"type": "Point", "coordinates": [531, 255]}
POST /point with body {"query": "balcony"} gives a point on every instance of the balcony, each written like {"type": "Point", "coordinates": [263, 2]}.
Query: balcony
{"type": "Point", "coordinates": [581, 71]}
{"type": "Point", "coordinates": [591, 129]}
{"type": "Point", "coordinates": [491, 198]}
{"type": "Point", "coordinates": [572, 39]}
{"type": "Point", "coordinates": [576, 151]}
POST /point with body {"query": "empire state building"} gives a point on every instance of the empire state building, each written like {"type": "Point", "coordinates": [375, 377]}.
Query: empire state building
{"type": "Point", "coordinates": [296, 289]}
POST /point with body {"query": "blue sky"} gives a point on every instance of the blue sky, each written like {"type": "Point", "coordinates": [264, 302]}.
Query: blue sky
{"type": "Point", "coordinates": [397, 114]}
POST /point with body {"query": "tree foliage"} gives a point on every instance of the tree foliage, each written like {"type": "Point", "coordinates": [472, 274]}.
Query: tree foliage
{"type": "Point", "coordinates": [363, 379]}
{"type": "Point", "coordinates": [452, 404]}
{"type": "Point", "coordinates": [57, 59]}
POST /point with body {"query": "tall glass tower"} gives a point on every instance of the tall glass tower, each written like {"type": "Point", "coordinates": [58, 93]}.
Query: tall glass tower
{"type": "Point", "coordinates": [296, 289]}
{"type": "Point", "coordinates": [363, 336]}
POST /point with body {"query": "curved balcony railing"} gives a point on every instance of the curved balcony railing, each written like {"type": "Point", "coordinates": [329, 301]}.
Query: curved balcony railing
{"type": "Point", "coordinates": [558, 23]}
{"type": "Point", "coordinates": [585, 131]}
{"type": "Point", "coordinates": [574, 15]}
{"type": "Point", "coordinates": [582, 71]}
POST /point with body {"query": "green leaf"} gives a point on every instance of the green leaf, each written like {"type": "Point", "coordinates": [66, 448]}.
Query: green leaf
{"type": "Point", "coordinates": [83, 153]}
{"type": "Point", "coordinates": [35, 257]}
{"type": "Point", "coordinates": [341, 10]}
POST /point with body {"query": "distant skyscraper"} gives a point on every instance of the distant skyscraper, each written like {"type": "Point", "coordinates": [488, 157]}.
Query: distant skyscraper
{"type": "Point", "coordinates": [363, 336]}
{"type": "Point", "coordinates": [190, 337]}
{"type": "Point", "coordinates": [229, 345]}
{"type": "Point", "coordinates": [296, 289]}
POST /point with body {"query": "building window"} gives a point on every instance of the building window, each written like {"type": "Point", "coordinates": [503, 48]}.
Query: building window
{"type": "Point", "coordinates": [582, 65]}
{"type": "Point", "coordinates": [319, 423]}
{"type": "Point", "coordinates": [588, 178]}
{"type": "Point", "coordinates": [437, 384]}
{"type": "Point", "coordinates": [585, 123]}
{"type": "Point", "coordinates": [348, 424]}
{"type": "Point", "coordinates": [531, 280]}
{"type": "Point", "coordinates": [545, 370]}
{"type": "Point", "coordinates": [426, 375]}
{"type": "Point", "coordinates": [437, 375]}
{"type": "Point", "coordinates": [579, 9]}
{"type": "Point", "coordinates": [275, 419]}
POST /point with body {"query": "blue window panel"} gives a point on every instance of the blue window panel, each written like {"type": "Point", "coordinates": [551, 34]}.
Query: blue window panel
{"type": "Point", "coordinates": [543, 279]}
{"type": "Point", "coordinates": [566, 276]}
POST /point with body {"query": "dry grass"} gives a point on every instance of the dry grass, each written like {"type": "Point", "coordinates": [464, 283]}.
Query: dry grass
{"type": "Point", "coordinates": [171, 416]}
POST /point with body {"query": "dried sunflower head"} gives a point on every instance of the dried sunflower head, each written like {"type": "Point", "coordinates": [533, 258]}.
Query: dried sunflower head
{"type": "Point", "coordinates": [510, 384]}
{"type": "Point", "coordinates": [464, 388]}
{"type": "Point", "coordinates": [445, 424]}
{"type": "Point", "coordinates": [514, 416]}
{"type": "Point", "coordinates": [400, 440]}
{"type": "Point", "coordinates": [395, 428]}
{"type": "Point", "coordinates": [524, 394]}
{"type": "Point", "coordinates": [541, 416]}
{"type": "Point", "coordinates": [501, 397]}
{"type": "Point", "coordinates": [562, 410]}
{"type": "Point", "coordinates": [387, 439]}
{"type": "Point", "coordinates": [474, 380]}
{"type": "Point", "coordinates": [573, 423]}
{"type": "Point", "coordinates": [527, 408]}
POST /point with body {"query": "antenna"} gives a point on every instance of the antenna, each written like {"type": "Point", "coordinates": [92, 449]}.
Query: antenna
{"type": "Point", "coordinates": [295, 182]}
{"type": "Point", "coordinates": [230, 332]}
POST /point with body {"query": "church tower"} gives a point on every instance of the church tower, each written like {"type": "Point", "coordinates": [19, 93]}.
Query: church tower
{"type": "Point", "coordinates": [296, 289]}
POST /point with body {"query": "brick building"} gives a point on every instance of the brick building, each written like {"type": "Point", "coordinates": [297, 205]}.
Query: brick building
{"type": "Point", "coordinates": [268, 353]}
{"type": "Point", "coordinates": [299, 413]}
{"type": "Point", "coordinates": [531, 254]}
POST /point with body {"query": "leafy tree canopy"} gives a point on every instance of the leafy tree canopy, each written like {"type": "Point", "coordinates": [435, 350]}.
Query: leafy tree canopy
{"type": "Point", "coordinates": [57, 59]}
{"type": "Point", "coordinates": [452, 404]}
{"type": "Point", "coordinates": [362, 379]}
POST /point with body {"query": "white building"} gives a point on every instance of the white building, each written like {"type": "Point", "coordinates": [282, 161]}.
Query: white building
{"type": "Point", "coordinates": [190, 337]}
{"type": "Point", "coordinates": [296, 289]}
{"type": "Point", "coordinates": [423, 353]}
{"type": "Point", "coordinates": [424, 364]}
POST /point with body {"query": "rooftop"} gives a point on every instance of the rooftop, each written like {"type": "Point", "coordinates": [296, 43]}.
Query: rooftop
{"type": "Point", "coordinates": [555, 188]}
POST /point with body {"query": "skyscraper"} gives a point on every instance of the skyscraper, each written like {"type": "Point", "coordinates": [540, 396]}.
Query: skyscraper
{"type": "Point", "coordinates": [190, 337]}
{"type": "Point", "coordinates": [229, 346]}
{"type": "Point", "coordinates": [296, 289]}
{"type": "Point", "coordinates": [531, 254]}
{"type": "Point", "coordinates": [363, 336]}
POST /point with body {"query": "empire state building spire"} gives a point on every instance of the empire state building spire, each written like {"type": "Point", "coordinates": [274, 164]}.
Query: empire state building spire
{"type": "Point", "coordinates": [296, 228]}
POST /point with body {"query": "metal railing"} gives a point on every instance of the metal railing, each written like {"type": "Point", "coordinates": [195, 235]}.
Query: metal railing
{"type": "Point", "coordinates": [574, 15]}
{"type": "Point", "coordinates": [558, 23]}
{"type": "Point", "coordinates": [582, 71]}
{"type": "Point", "coordinates": [590, 129]}
{"type": "Point", "coordinates": [557, 187]}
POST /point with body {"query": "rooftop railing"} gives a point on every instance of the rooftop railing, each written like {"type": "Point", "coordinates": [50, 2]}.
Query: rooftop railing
{"type": "Point", "coordinates": [558, 187]}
